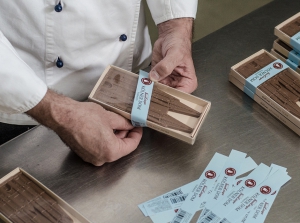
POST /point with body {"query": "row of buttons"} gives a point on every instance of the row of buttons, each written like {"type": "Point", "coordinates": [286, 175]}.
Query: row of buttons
{"type": "Point", "coordinates": [59, 62]}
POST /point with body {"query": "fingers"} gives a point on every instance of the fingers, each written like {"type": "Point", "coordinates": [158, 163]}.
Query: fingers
{"type": "Point", "coordinates": [176, 72]}
{"type": "Point", "coordinates": [121, 133]}
{"type": "Point", "coordinates": [188, 85]}
{"type": "Point", "coordinates": [123, 146]}
{"type": "Point", "coordinates": [173, 80]}
{"type": "Point", "coordinates": [118, 122]}
{"type": "Point", "coordinates": [165, 67]}
{"type": "Point", "coordinates": [130, 143]}
{"type": "Point", "coordinates": [183, 80]}
{"type": "Point", "coordinates": [119, 145]}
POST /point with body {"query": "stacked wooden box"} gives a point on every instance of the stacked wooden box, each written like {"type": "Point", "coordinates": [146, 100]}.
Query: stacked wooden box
{"type": "Point", "coordinates": [287, 46]}
{"type": "Point", "coordinates": [271, 78]}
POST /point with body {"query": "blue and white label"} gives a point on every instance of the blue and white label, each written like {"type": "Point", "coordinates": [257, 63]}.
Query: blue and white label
{"type": "Point", "coordinates": [142, 99]}
{"type": "Point", "coordinates": [264, 74]}
{"type": "Point", "coordinates": [295, 42]}
{"type": "Point", "coordinates": [251, 94]}
{"type": "Point", "coordinates": [291, 64]}
{"type": "Point", "coordinates": [295, 57]}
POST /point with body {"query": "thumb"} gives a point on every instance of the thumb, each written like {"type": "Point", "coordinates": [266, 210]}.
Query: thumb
{"type": "Point", "coordinates": [164, 67]}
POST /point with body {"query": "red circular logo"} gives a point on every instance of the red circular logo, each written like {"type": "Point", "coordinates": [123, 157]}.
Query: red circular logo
{"type": "Point", "coordinates": [250, 183]}
{"type": "Point", "coordinates": [210, 174]}
{"type": "Point", "coordinates": [277, 65]}
{"type": "Point", "coordinates": [265, 190]}
{"type": "Point", "coordinates": [230, 171]}
{"type": "Point", "coordinates": [146, 81]}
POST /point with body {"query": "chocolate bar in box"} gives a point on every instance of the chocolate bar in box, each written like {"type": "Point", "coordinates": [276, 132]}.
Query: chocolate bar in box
{"type": "Point", "coordinates": [25, 199]}
{"type": "Point", "coordinates": [171, 111]}
{"type": "Point", "coordinates": [279, 94]}
{"type": "Point", "coordinates": [267, 106]}
{"type": "Point", "coordinates": [289, 32]}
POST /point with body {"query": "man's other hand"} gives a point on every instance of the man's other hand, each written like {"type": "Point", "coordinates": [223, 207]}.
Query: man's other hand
{"type": "Point", "coordinates": [172, 62]}
{"type": "Point", "coordinates": [93, 133]}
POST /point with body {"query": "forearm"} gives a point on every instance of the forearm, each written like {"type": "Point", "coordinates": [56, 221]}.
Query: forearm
{"type": "Point", "coordinates": [183, 27]}
{"type": "Point", "coordinates": [53, 110]}
{"type": "Point", "coordinates": [87, 128]}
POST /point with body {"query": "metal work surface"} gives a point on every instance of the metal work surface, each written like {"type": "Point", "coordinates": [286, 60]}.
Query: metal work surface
{"type": "Point", "coordinates": [112, 192]}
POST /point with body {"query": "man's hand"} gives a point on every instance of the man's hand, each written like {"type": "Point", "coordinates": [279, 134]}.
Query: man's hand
{"type": "Point", "coordinates": [93, 133]}
{"type": "Point", "coordinates": [172, 62]}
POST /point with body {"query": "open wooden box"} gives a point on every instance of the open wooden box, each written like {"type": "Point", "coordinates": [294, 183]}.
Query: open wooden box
{"type": "Point", "coordinates": [262, 98]}
{"type": "Point", "coordinates": [289, 31]}
{"type": "Point", "coordinates": [32, 201]}
{"type": "Point", "coordinates": [198, 104]}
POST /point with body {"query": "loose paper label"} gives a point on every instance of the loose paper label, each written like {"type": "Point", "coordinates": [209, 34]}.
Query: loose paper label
{"type": "Point", "coordinates": [195, 197]}
{"type": "Point", "coordinates": [268, 187]}
{"type": "Point", "coordinates": [168, 201]}
{"type": "Point", "coordinates": [239, 193]}
{"type": "Point", "coordinates": [224, 197]}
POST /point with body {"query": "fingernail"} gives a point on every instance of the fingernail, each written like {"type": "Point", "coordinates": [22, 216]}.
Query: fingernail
{"type": "Point", "coordinates": [154, 75]}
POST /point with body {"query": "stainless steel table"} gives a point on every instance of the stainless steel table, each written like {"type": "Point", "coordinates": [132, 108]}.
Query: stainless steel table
{"type": "Point", "coordinates": [111, 193]}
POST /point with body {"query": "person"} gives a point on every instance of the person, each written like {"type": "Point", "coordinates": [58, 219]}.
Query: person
{"type": "Point", "coordinates": [53, 52]}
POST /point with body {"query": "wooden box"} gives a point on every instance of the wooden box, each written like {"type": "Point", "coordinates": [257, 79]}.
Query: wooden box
{"type": "Point", "coordinates": [286, 53]}
{"type": "Point", "coordinates": [198, 104]}
{"type": "Point", "coordinates": [25, 199]}
{"type": "Point", "coordinates": [289, 31]}
{"type": "Point", "coordinates": [267, 99]}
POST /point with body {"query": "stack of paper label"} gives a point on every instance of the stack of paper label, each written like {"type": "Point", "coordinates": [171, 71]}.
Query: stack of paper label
{"type": "Point", "coordinates": [220, 194]}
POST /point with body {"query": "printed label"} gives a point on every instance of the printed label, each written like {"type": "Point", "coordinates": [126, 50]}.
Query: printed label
{"type": "Point", "coordinates": [167, 201]}
{"type": "Point", "coordinates": [259, 194]}
{"type": "Point", "coordinates": [248, 165]}
{"type": "Point", "coordinates": [264, 74]}
{"type": "Point", "coordinates": [295, 42]}
{"type": "Point", "coordinates": [244, 200]}
{"type": "Point", "coordinates": [141, 103]}
{"type": "Point", "coordinates": [239, 193]}
{"type": "Point", "coordinates": [295, 57]}
{"type": "Point", "coordinates": [291, 64]}
{"type": "Point", "coordinates": [163, 216]}
{"type": "Point", "coordinates": [166, 216]}
{"type": "Point", "coordinates": [197, 196]}
{"type": "Point", "coordinates": [248, 92]}
{"type": "Point", "coordinates": [249, 203]}
{"type": "Point", "coordinates": [231, 170]}
{"type": "Point", "coordinates": [259, 213]}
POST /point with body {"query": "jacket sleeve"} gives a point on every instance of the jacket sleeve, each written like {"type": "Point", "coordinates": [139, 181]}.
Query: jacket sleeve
{"type": "Point", "coordinates": [20, 88]}
{"type": "Point", "coordinates": [163, 10]}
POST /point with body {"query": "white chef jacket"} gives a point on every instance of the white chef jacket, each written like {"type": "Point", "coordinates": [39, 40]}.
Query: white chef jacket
{"type": "Point", "coordinates": [84, 35]}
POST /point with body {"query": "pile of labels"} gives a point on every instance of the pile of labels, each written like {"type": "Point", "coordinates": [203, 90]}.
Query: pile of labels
{"type": "Point", "coordinates": [220, 194]}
